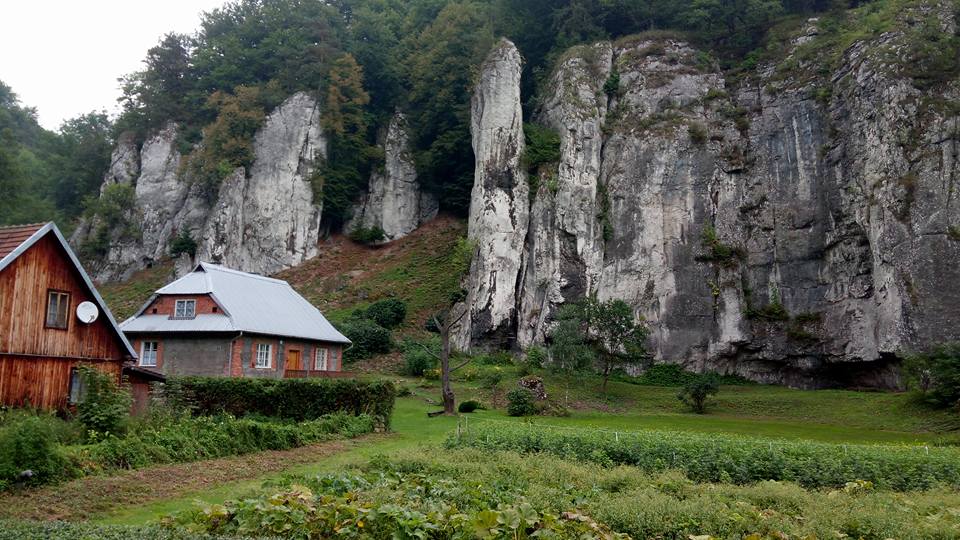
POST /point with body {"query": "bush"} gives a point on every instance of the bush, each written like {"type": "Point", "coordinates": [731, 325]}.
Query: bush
{"type": "Point", "coordinates": [417, 360]}
{"type": "Point", "coordinates": [499, 358]}
{"type": "Point", "coordinates": [536, 357]}
{"type": "Point", "coordinates": [295, 399]}
{"type": "Point", "coordinates": [542, 146]}
{"type": "Point", "coordinates": [368, 337]}
{"type": "Point", "coordinates": [695, 393]}
{"type": "Point", "coordinates": [367, 236]}
{"type": "Point", "coordinates": [520, 402]}
{"type": "Point", "coordinates": [492, 378]}
{"type": "Point", "coordinates": [30, 444]}
{"type": "Point", "coordinates": [104, 406]}
{"type": "Point", "coordinates": [388, 313]}
{"type": "Point", "coordinates": [936, 374]}
{"type": "Point", "coordinates": [469, 406]}
{"type": "Point", "coordinates": [698, 133]}
{"type": "Point", "coordinates": [730, 458]}
{"type": "Point", "coordinates": [183, 243]}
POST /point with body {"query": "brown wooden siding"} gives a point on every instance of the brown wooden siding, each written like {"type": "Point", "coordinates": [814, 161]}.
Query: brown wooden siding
{"type": "Point", "coordinates": [41, 382]}
{"type": "Point", "coordinates": [23, 303]}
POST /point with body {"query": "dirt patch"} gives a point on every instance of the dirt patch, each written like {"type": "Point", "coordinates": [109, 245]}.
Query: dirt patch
{"type": "Point", "coordinates": [87, 497]}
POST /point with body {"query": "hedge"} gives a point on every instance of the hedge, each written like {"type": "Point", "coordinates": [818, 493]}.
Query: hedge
{"type": "Point", "coordinates": [296, 399]}
{"type": "Point", "coordinates": [741, 460]}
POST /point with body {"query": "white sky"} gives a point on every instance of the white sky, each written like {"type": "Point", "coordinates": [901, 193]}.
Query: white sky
{"type": "Point", "coordinates": [63, 57]}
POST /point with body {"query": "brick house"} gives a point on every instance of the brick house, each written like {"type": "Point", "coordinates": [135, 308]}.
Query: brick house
{"type": "Point", "coordinates": [216, 321]}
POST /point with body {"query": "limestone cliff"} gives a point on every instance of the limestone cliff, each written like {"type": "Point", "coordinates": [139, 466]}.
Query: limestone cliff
{"type": "Point", "coordinates": [394, 201]}
{"type": "Point", "coordinates": [788, 227]}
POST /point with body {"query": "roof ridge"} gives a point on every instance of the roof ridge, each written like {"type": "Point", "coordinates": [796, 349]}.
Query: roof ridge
{"type": "Point", "coordinates": [24, 225]}
{"type": "Point", "coordinates": [227, 270]}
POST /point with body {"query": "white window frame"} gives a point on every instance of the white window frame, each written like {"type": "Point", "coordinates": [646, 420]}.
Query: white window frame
{"type": "Point", "coordinates": [145, 349]}
{"type": "Point", "coordinates": [264, 358]}
{"type": "Point", "coordinates": [320, 359]}
{"type": "Point", "coordinates": [179, 313]}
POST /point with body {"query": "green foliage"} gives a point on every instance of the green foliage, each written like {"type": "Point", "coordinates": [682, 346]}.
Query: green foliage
{"type": "Point", "coordinates": [717, 252]}
{"type": "Point", "coordinates": [694, 394]}
{"type": "Point", "coordinates": [936, 375]}
{"type": "Point", "coordinates": [368, 338]}
{"type": "Point", "coordinates": [417, 356]}
{"type": "Point", "coordinates": [469, 406]}
{"type": "Point", "coordinates": [207, 437]}
{"type": "Point", "coordinates": [30, 444]}
{"type": "Point", "coordinates": [183, 243]}
{"type": "Point", "coordinates": [61, 530]}
{"type": "Point", "coordinates": [536, 356]}
{"type": "Point", "coordinates": [520, 402]}
{"type": "Point", "coordinates": [492, 378]}
{"type": "Point", "coordinates": [114, 213]}
{"type": "Point", "coordinates": [388, 313]}
{"type": "Point", "coordinates": [296, 399]}
{"type": "Point", "coordinates": [953, 232]}
{"type": "Point", "coordinates": [368, 235]}
{"type": "Point", "coordinates": [104, 406]}
{"type": "Point", "coordinates": [714, 458]}
{"type": "Point", "coordinates": [675, 375]}
{"type": "Point", "coordinates": [542, 147]}
{"type": "Point", "coordinates": [228, 141]}
{"type": "Point", "coordinates": [774, 311]}
{"type": "Point", "coordinates": [611, 87]}
{"type": "Point", "coordinates": [698, 133]}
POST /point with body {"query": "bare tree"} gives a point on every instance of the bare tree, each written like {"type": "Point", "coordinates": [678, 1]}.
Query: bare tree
{"type": "Point", "coordinates": [445, 322]}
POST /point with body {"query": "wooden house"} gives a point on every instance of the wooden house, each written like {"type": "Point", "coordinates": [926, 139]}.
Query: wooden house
{"type": "Point", "coordinates": [52, 320]}
{"type": "Point", "coordinates": [216, 321]}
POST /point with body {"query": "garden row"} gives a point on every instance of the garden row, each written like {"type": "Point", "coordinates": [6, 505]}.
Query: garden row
{"type": "Point", "coordinates": [192, 419]}
{"type": "Point", "coordinates": [725, 458]}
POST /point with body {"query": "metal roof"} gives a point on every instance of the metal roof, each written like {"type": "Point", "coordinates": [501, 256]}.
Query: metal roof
{"type": "Point", "coordinates": [250, 303]}
{"type": "Point", "coordinates": [39, 233]}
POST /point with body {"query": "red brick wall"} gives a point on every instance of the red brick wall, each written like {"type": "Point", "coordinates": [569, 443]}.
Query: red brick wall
{"type": "Point", "coordinates": [273, 352]}
{"type": "Point", "coordinates": [165, 305]}
{"type": "Point", "coordinates": [138, 342]}
{"type": "Point", "coordinates": [236, 360]}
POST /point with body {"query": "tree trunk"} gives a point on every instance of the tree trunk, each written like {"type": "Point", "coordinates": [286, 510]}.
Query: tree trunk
{"type": "Point", "coordinates": [446, 390]}
{"type": "Point", "coordinates": [606, 375]}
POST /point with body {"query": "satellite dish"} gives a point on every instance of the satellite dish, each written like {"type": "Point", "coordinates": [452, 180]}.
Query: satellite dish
{"type": "Point", "coordinates": [87, 312]}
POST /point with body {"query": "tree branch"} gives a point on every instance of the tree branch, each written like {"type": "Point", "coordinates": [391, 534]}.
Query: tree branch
{"type": "Point", "coordinates": [428, 351]}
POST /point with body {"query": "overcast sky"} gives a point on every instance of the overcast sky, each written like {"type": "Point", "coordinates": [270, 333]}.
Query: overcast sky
{"type": "Point", "coordinates": [64, 56]}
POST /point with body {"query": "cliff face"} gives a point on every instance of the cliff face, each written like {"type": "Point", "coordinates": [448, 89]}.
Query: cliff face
{"type": "Point", "coordinates": [394, 201]}
{"type": "Point", "coordinates": [263, 220]}
{"type": "Point", "coordinates": [766, 228]}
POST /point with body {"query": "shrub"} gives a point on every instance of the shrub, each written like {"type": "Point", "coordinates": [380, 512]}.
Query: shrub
{"type": "Point", "coordinates": [368, 337]}
{"type": "Point", "coordinates": [469, 406]}
{"type": "Point", "coordinates": [542, 146]}
{"type": "Point", "coordinates": [730, 458]}
{"type": "Point", "coordinates": [104, 406]}
{"type": "Point", "coordinates": [936, 374]}
{"type": "Point", "coordinates": [295, 399]}
{"type": "Point", "coordinates": [30, 444]}
{"type": "Point", "coordinates": [388, 313]}
{"type": "Point", "coordinates": [675, 375]}
{"type": "Point", "coordinates": [499, 358]}
{"type": "Point", "coordinates": [417, 360]}
{"type": "Point", "coordinates": [725, 255]}
{"type": "Point", "coordinates": [536, 356]}
{"type": "Point", "coordinates": [520, 402]}
{"type": "Point", "coordinates": [695, 393]}
{"type": "Point", "coordinates": [367, 236]}
{"type": "Point", "coordinates": [698, 133]}
{"type": "Point", "coordinates": [492, 379]}
{"type": "Point", "coordinates": [183, 243]}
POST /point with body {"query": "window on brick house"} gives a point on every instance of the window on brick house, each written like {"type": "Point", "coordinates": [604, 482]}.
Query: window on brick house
{"type": "Point", "coordinates": [264, 355]}
{"type": "Point", "coordinates": [320, 360]}
{"type": "Point", "coordinates": [185, 309]}
{"type": "Point", "coordinates": [148, 353]}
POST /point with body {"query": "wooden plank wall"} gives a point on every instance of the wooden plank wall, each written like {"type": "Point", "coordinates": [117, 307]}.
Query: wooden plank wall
{"type": "Point", "coordinates": [23, 302]}
{"type": "Point", "coordinates": [42, 383]}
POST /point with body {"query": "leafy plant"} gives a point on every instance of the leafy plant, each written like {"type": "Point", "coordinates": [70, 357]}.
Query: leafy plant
{"type": "Point", "coordinates": [367, 236]}
{"type": "Point", "coordinates": [388, 313]}
{"type": "Point", "coordinates": [936, 375]}
{"type": "Point", "coordinates": [183, 243]}
{"type": "Point", "coordinates": [542, 146]}
{"type": "Point", "coordinates": [469, 406]}
{"type": "Point", "coordinates": [418, 358]}
{"type": "Point", "coordinates": [725, 255]}
{"type": "Point", "coordinates": [104, 406]}
{"type": "Point", "coordinates": [368, 338]}
{"type": "Point", "coordinates": [695, 393]}
{"type": "Point", "coordinates": [29, 453]}
{"type": "Point", "coordinates": [520, 402]}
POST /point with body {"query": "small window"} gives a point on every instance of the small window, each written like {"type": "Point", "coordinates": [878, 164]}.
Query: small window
{"type": "Point", "coordinates": [185, 309]}
{"type": "Point", "coordinates": [214, 309]}
{"type": "Point", "coordinates": [77, 389]}
{"type": "Point", "coordinates": [154, 310]}
{"type": "Point", "coordinates": [320, 360]}
{"type": "Point", "coordinates": [264, 355]}
{"type": "Point", "coordinates": [148, 353]}
{"type": "Point", "coordinates": [58, 306]}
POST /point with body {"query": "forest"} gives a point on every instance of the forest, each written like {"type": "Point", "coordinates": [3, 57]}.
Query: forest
{"type": "Point", "coordinates": [364, 59]}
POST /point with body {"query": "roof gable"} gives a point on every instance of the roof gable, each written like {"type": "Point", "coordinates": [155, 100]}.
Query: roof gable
{"type": "Point", "coordinates": [9, 253]}
{"type": "Point", "coordinates": [251, 303]}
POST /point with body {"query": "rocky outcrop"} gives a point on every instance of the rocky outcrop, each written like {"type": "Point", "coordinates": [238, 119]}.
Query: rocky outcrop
{"type": "Point", "coordinates": [499, 200]}
{"type": "Point", "coordinates": [394, 201]}
{"type": "Point", "coordinates": [792, 228]}
{"type": "Point", "coordinates": [264, 219]}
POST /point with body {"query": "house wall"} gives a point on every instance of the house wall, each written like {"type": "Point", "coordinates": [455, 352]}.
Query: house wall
{"type": "Point", "coordinates": [229, 356]}
{"type": "Point", "coordinates": [35, 361]}
{"type": "Point", "coordinates": [166, 304]}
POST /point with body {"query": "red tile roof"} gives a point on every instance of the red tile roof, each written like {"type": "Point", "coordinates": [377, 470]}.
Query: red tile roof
{"type": "Point", "coordinates": [11, 237]}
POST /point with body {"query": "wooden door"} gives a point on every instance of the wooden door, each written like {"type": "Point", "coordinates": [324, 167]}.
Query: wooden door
{"type": "Point", "coordinates": [293, 361]}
